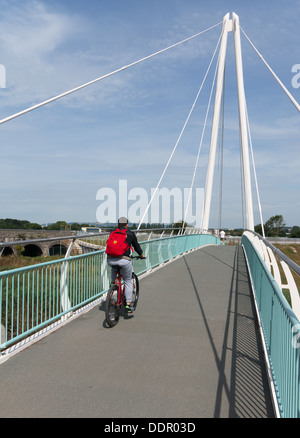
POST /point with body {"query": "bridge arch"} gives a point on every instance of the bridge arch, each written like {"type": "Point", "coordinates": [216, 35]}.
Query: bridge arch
{"type": "Point", "coordinates": [7, 251]}
{"type": "Point", "coordinates": [32, 250]}
{"type": "Point", "coordinates": [57, 249]}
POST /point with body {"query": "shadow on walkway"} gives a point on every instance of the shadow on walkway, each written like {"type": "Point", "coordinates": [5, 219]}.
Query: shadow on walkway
{"type": "Point", "coordinates": [248, 390]}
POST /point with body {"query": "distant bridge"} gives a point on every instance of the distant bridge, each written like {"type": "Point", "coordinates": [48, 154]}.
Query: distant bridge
{"type": "Point", "coordinates": [42, 243]}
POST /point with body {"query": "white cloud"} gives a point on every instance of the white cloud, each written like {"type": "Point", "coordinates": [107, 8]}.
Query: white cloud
{"type": "Point", "coordinates": [276, 127]}
{"type": "Point", "coordinates": [32, 39]}
{"type": "Point", "coordinates": [48, 51]}
{"type": "Point", "coordinates": [30, 30]}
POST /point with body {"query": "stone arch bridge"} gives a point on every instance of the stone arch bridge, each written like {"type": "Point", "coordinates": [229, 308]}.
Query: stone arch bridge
{"type": "Point", "coordinates": [41, 243]}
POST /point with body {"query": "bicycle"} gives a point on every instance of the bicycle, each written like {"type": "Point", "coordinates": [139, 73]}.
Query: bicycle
{"type": "Point", "coordinates": [115, 299]}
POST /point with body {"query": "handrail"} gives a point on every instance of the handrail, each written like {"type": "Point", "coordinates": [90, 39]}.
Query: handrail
{"type": "Point", "coordinates": [280, 330]}
{"type": "Point", "coordinates": [33, 297]}
{"type": "Point", "coordinates": [284, 277]}
{"type": "Point", "coordinates": [280, 254]}
{"type": "Point", "coordinates": [87, 235]}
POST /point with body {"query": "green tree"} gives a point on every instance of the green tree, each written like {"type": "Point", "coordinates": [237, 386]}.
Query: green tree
{"type": "Point", "coordinates": [258, 229]}
{"type": "Point", "coordinates": [180, 224]}
{"type": "Point", "coordinates": [16, 224]}
{"type": "Point", "coordinates": [59, 225]}
{"type": "Point", "coordinates": [76, 227]}
{"type": "Point", "coordinates": [295, 231]}
{"type": "Point", "coordinates": [274, 226]}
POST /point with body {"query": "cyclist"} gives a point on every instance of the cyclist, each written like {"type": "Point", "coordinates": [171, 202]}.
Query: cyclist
{"type": "Point", "coordinates": [124, 261]}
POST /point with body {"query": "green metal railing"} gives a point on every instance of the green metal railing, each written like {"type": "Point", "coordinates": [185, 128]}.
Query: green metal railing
{"type": "Point", "coordinates": [36, 296]}
{"type": "Point", "coordinates": [281, 333]}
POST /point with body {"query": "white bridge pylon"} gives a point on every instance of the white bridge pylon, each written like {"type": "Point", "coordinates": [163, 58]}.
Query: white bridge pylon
{"type": "Point", "coordinates": [230, 25]}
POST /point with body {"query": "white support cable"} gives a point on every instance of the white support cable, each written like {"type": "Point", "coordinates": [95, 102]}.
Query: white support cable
{"type": "Point", "coordinates": [297, 105]}
{"type": "Point", "coordinates": [255, 177]}
{"type": "Point", "coordinates": [73, 90]}
{"type": "Point", "coordinates": [171, 156]}
{"type": "Point", "coordinates": [204, 126]}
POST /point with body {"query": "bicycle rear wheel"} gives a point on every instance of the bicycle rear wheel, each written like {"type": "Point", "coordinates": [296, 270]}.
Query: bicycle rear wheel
{"type": "Point", "coordinates": [112, 310]}
{"type": "Point", "coordinates": [136, 290]}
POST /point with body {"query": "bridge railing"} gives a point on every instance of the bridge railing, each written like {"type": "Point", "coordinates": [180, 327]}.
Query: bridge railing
{"type": "Point", "coordinates": [278, 322]}
{"type": "Point", "coordinates": [45, 294]}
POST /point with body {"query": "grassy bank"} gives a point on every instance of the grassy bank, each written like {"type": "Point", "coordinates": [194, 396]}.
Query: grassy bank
{"type": "Point", "coordinates": [14, 262]}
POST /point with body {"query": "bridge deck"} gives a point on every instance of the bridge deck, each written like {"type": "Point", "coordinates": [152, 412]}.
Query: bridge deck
{"type": "Point", "coordinates": [191, 350]}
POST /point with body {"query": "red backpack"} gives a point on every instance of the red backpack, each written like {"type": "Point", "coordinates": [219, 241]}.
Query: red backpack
{"type": "Point", "coordinates": [116, 244]}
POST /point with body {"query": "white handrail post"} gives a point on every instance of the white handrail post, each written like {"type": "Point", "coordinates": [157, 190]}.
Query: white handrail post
{"type": "Point", "coordinates": [64, 296]}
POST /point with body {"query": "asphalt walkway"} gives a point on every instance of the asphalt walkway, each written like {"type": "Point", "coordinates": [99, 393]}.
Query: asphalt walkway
{"type": "Point", "coordinates": [191, 350]}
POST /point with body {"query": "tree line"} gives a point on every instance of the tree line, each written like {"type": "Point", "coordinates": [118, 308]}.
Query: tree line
{"type": "Point", "coordinates": [274, 227]}
{"type": "Point", "coordinates": [16, 224]}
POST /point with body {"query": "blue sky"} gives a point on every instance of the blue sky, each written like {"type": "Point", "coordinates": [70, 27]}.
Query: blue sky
{"type": "Point", "coordinates": [55, 159]}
